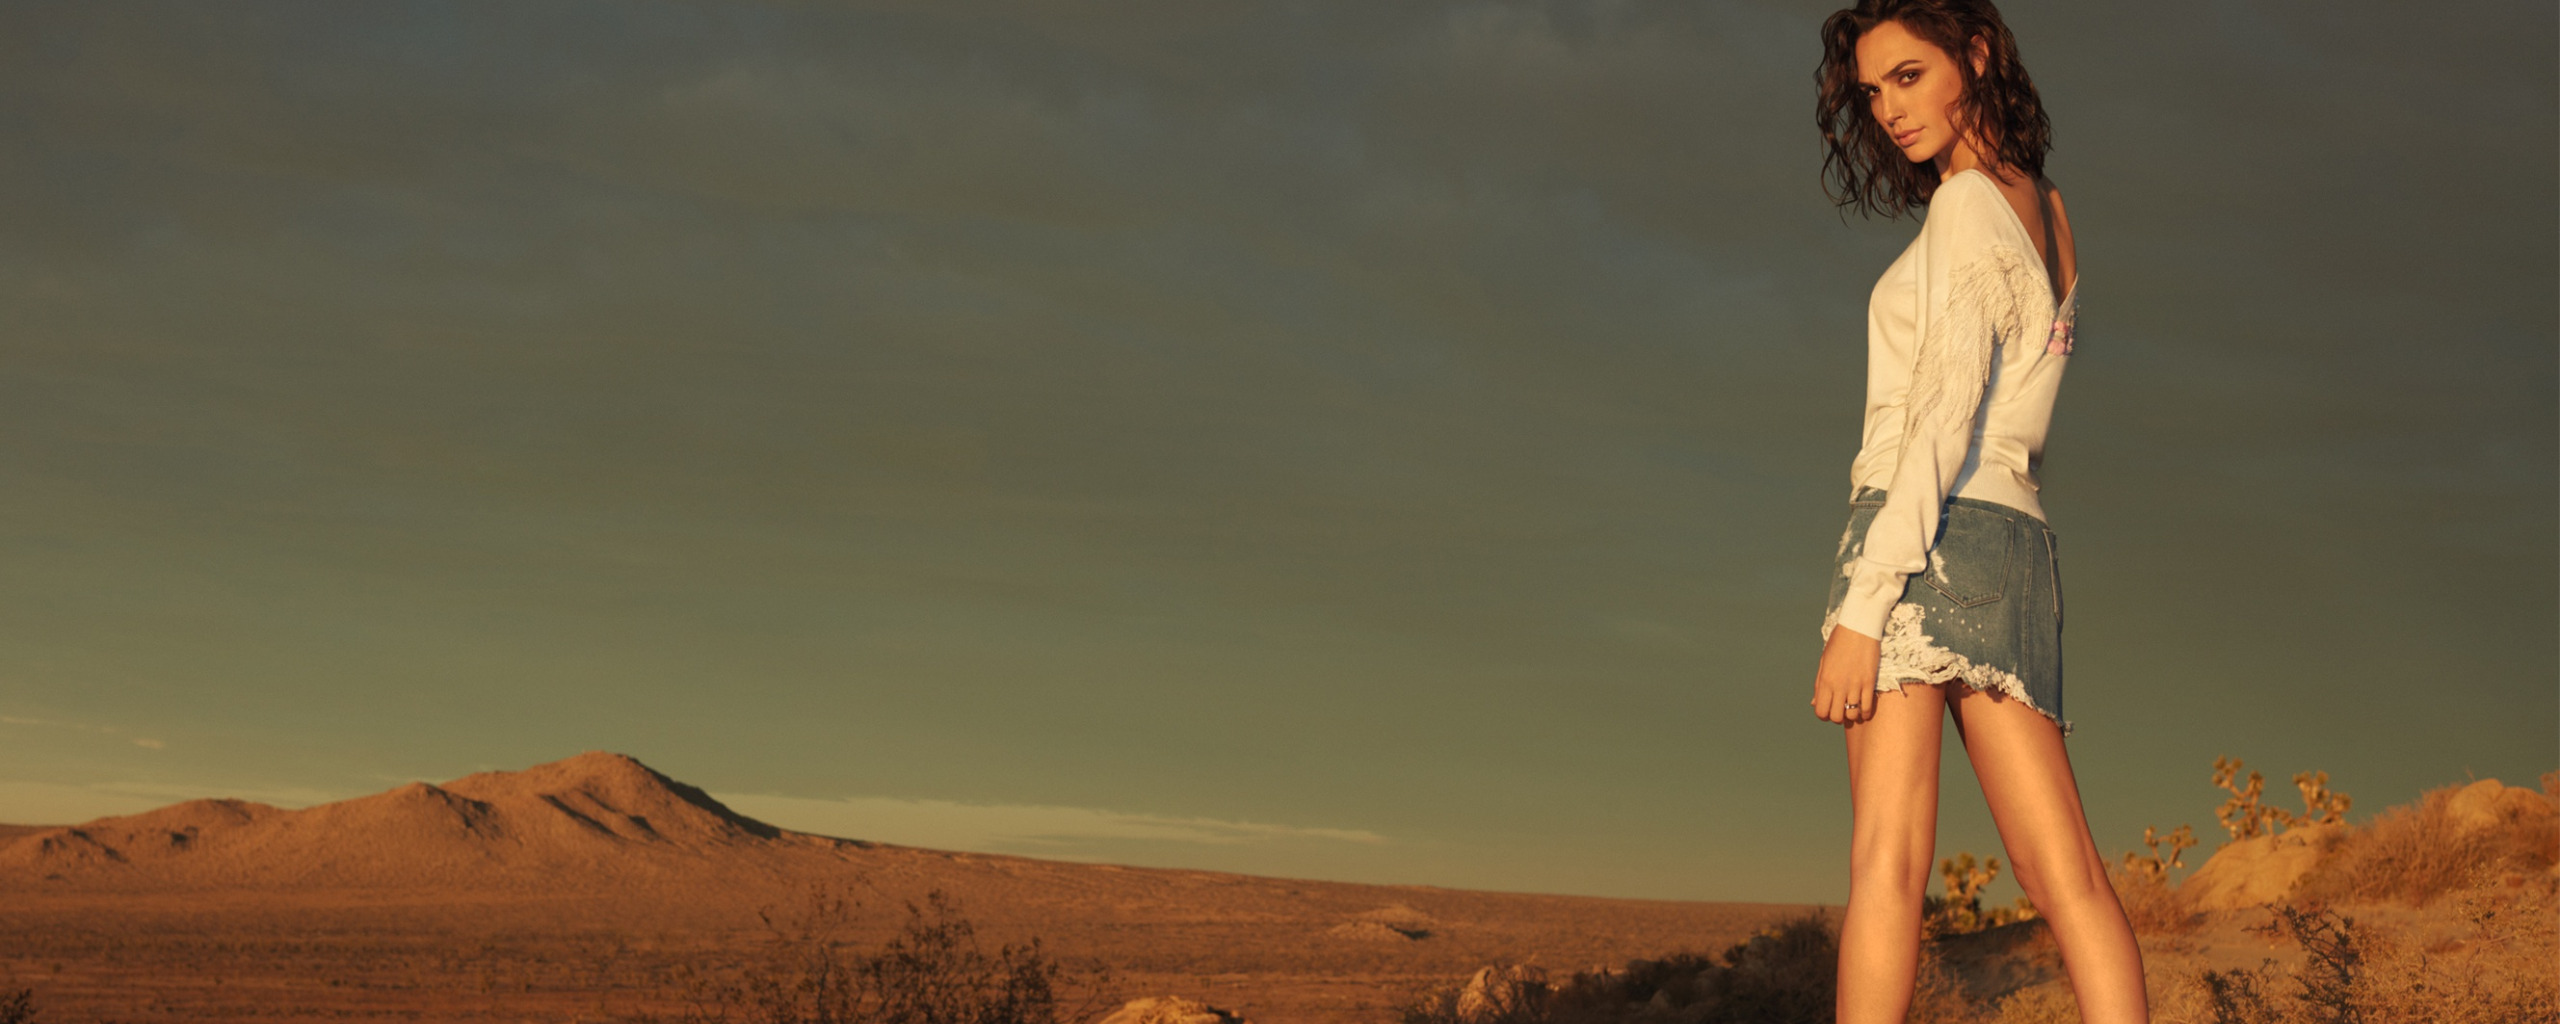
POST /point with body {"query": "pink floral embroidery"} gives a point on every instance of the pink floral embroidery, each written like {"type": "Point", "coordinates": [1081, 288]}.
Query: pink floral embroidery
{"type": "Point", "coordinates": [2066, 320]}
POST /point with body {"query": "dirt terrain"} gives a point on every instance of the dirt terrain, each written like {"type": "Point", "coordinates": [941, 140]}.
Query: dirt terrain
{"type": "Point", "coordinates": [597, 889]}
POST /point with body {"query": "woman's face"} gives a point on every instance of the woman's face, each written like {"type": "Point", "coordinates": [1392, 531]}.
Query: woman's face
{"type": "Point", "coordinates": [1912, 87]}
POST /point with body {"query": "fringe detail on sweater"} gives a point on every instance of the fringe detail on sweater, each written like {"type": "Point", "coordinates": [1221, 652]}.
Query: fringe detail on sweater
{"type": "Point", "coordinates": [1990, 299]}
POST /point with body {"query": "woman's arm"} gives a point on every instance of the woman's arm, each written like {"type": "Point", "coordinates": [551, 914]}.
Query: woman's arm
{"type": "Point", "coordinates": [1976, 290]}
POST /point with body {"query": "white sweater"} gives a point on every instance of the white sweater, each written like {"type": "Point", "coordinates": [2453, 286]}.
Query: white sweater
{"type": "Point", "coordinates": [1965, 349]}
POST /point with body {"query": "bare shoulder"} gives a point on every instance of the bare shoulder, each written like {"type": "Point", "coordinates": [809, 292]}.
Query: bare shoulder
{"type": "Point", "coordinates": [2049, 198]}
{"type": "Point", "coordinates": [2062, 257]}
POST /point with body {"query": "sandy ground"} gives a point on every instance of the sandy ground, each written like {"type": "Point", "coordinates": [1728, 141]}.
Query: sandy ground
{"type": "Point", "coordinates": [594, 889]}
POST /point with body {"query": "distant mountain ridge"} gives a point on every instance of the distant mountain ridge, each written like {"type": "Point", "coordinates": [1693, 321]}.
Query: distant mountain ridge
{"type": "Point", "coordinates": [590, 818]}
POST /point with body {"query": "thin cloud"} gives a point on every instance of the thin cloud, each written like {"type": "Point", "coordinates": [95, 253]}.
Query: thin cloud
{"type": "Point", "coordinates": [99, 730]}
{"type": "Point", "coordinates": [947, 825]}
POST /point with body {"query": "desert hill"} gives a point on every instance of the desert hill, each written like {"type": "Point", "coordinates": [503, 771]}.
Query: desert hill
{"type": "Point", "coordinates": [597, 873]}
{"type": "Point", "coordinates": [593, 820]}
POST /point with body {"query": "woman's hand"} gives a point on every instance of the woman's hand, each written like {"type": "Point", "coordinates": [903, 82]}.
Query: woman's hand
{"type": "Point", "coordinates": [1844, 685]}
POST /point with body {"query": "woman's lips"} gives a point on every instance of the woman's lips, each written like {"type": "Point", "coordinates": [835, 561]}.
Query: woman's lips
{"type": "Point", "coordinates": [1904, 138]}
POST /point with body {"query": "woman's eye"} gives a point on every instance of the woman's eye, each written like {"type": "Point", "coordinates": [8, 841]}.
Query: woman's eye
{"type": "Point", "coordinates": [1907, 76]}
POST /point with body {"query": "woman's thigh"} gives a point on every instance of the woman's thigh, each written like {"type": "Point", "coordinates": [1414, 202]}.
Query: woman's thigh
{"type": "Point", "coordinates": [1893, 780]}
{"type": "Point", "coordinates": [2025, 770]}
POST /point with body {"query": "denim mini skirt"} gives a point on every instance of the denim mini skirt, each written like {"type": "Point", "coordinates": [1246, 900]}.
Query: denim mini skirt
{"type": "Point", "coordinates": [1988, 610]}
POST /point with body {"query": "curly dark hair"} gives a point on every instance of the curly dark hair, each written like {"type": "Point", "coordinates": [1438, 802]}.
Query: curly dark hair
{"type": "Point", "coordinates": [1861, 167]}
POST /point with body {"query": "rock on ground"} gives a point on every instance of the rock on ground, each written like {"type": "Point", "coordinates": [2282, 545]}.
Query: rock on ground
{"type": "Point", "coordinates": [1170, 1010]}
{"type": "Point", "coordinates": [2489, 804]}
{"type": "Point", "coordinates": [2257, 870]}
{"type": "Point", "coordinates": [1497, 993]}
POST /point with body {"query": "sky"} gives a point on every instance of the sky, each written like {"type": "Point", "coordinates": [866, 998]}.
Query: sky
{"type": "Point", "coordinates": [1384, 442]}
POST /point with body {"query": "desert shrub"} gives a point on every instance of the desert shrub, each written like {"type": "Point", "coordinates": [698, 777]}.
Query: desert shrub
{"type": "Point", "coordinates": [2322, 988]}
{"type": "Point", "coordinates": [18, 1006]}
{"type": "Point", "coordinates": [2039, 1004]}
{"type": "Point", "coordinates": [2499, 972]}
{"type": "Point", "coordinates": [2151, 902]}
{"type": "Point", "coordinates": [1960, 910]}
{"type": "Point", "coordinates": [1938, 993]}
{"type": "Point", "coordinates": [1784, 975]}
{"type": "Point", "coordinates": [2245, 817]}
{"type": "Point", "coordinates": [933, 971]}
{"type": "Point", "coordinates": [2152, 905]}
{"type": "Point", "coordinates": [2415, 853]}
{"type": "Point", "coordinates": [2235, 996]}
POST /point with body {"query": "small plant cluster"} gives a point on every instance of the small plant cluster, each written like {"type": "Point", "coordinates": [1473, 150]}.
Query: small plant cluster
{"type": "Point", "coordinates": [2323, 986]}
{"type": "Point", "coordinates": [2155, 865]}
{"type": "Point", "coordinates": [2245, 818]}
{"type": "Point", "coordinates": [1960, 911]}
{"type": "Point", "coordinates": [1784, 975]}
{"type": "Point", "coordinates": [934, 971]}
{"type": "Point", "coordinates": [18, 1006]}
{"type": "Point", "coordinates": [2150, 900]}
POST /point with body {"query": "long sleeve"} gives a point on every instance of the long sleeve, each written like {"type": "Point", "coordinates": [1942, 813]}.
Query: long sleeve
{"type": "Point", "coordinates": [1975, 291]}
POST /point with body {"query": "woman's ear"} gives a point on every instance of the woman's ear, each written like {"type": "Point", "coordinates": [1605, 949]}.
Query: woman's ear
{"type": "Point", "coordinates": [1981, 55]}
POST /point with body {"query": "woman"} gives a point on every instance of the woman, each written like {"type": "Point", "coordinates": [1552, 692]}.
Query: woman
{"type": "Point", "coordinates": [1947, 571]}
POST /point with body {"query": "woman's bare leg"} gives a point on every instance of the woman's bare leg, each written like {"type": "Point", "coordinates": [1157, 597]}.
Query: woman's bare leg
{"type": "Point", "coordinates": [2026, 776]}
{"type": "Point", "coordinates": [1893, 804]}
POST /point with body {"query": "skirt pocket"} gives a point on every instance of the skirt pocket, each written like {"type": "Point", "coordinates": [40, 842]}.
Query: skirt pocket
{"type": "Point", "coordinates": [1970, 563]}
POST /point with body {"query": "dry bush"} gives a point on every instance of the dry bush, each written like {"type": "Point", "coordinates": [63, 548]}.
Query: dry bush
{"type": "Point", "coordinates": [934, 971]}
{"type": "Point", "coordinates": [2350, 973]}
{"type": "Point", "coordinates": [2414, 853]}
{"type": "Point", "coordinates": [2153, 904]}
{"type": "Point", "coordinates": [2042, 1004]}
{"type": "Point", "coordinates": [2503, 972]}
{"type": "Point", "coordinates": [2246, 818]}
{"type": "Point", "coordinates": [1960, 911]}
{"type": "Point", "coordinates": [1938, 994]}
{"type": "Point", "coordinates": [2321, 988]}
{"type": "Point", "coordinates": [1787, 974]}
{"type": "Point", "coordinates": [18, 1006]}
{"type": "Point", "coordinates": [1784, 975]}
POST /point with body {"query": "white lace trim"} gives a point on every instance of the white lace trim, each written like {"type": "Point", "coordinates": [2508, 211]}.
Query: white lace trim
{"type": "Point", "coordinates": [1910, 656]}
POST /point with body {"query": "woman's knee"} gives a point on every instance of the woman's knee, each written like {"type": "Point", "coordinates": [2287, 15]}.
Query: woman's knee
{"type": "Point", "coordinates": [1890, 872]}
{"type": "Point", "coordinates": [2062, 880]}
